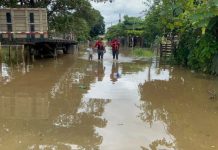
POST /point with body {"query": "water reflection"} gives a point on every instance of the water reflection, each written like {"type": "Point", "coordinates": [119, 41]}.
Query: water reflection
{"type": "Point", "coordinates": [122, 114]}
{"type": "Point", "coordinates": [48, 112]}
{"type": "Point", "coordinates": [159, 145]}
{"type": "Point", "coordinates": [5, 72]}
{"type": "Point", "coordinates": [115, 73]}
{"type": "Point", "coordinates": [91, 109]}
{"type": "Point", "coordinates": [100, 71]}
{"type": "Point", "coordinates": [70, 103]}
{"type": "Point", "coordinates": [19, 105]}
{"type": "Point", "coordinates": [179, 102]}
{"type": "Point", "coordinates": [162, 74]}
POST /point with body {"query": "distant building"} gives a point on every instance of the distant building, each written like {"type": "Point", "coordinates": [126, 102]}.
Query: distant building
{"type": "Point", "coordinates": [21, 24]}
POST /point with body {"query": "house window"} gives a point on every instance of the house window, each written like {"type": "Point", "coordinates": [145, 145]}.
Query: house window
{"type": "Point", "coordinates": [8, 17]}
{"type": "Point", "coordinates": [31, 17]}
{"type": "Point", "coordinates": [9, 22]}
{"type": "Point", "coordinates": [32, 26]}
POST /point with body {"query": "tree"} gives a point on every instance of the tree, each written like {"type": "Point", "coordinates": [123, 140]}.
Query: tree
{"type": "Point", "coordinates": [98, 28]}
{"type": "Point", "coordinates": [131, 26]}
{"type": "Point", "coordinates": [194, 22]}
{"type": "Point", "coordinates": [115, 31]}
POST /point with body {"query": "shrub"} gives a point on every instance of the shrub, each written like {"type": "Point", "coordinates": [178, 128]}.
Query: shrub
{"type": "Point", "coordinates": [140, 52]}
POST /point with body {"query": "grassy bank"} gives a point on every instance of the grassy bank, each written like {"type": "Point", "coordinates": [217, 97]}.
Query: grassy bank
{"type": "Point", "coordinates": [140, 52]}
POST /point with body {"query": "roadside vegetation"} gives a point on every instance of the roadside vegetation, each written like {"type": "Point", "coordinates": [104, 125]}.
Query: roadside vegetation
{"type": "Point", "coordinates": [193, 22]}
{"type": "Point", "coordinates": [141, 52]}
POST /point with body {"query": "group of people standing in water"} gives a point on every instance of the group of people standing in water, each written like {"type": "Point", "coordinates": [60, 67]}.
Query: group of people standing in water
{"type": "Point", "coordinates": [100, 46]}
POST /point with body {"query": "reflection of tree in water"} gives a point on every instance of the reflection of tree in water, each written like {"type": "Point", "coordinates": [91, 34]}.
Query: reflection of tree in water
{"type": "Point", "coordinates": [163, 143]}
{"type": "Point", "coordinates": [177, 103]}
{"type": "Point", "coordinates": [90, 110]}
{"type": "Point", "coordinates": [156, 115]}
{"type": "Point", "coordinates": [133, 67]}
{"type": "Point", "coordinates": [150, 115]}
{"type": "Point", "coordinates": [84, 122]}
{"type": "Point", "coordinates": [96, 106]}
{"type": "Point", "coordinates": [67, 121]}
{"type": "Point", "coordinates": [79, 116]}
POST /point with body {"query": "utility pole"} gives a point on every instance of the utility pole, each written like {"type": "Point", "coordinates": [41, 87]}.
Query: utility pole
{"type": "Point", "coordinates": [119, 17]}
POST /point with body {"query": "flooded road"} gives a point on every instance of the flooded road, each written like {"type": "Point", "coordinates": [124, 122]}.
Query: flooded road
{"type": "Point", "coordinates": [74, 104]}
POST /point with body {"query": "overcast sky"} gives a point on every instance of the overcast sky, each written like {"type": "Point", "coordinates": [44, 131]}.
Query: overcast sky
{"type": "Point", "coordinates": [111, 11]}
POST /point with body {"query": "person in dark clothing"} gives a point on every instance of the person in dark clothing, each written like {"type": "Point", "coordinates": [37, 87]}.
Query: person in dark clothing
{"type": "Point", "coordinates": [100, 49]}
{"type": "Point", "coordinates": [115, 44]}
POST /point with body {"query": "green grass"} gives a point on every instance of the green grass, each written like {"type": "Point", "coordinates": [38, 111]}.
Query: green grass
{"type": "Point", "coordinates": [140, 52]}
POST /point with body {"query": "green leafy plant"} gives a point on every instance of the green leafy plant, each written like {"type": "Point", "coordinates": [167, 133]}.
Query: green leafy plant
{"type": "Point", "coordinates": [140, 52]}
{"type": "Point", "coordinates": [202, 55]}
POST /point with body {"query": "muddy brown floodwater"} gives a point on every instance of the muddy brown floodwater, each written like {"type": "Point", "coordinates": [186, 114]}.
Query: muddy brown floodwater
{"type": "Point", "coordinates": [73, 104]}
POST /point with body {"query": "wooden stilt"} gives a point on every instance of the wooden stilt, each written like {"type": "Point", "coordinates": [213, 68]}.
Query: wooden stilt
{"type": "Point", "coordinates": [17, 54]}
{"type": "Point", "coordinates": [55, 53]}
{"type": "Point", "coordinates": [0, 52]}
{"type": "Point", "coordinates": [22, 54]}
{"type": "Point", "coordinates": [9, 53]}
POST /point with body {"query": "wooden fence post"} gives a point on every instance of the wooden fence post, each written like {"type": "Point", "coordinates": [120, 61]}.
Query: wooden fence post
{"type": "Point", "coordinates": [0, 52]}
{"type": "Point", "coordinates": [22, 53]}
{"type": "Point", "coordinates": [17, 54]}
{"type": "Point", "coordinates": [9, 53]}
{"type": "Point", "coordinates": [161, 47]}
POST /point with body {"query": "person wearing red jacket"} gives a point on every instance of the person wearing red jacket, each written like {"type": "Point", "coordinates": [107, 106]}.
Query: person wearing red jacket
{"type": "Point", "coordinates": [115, 44]}
{"type": "Point", "coordinates": [100, 48]}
